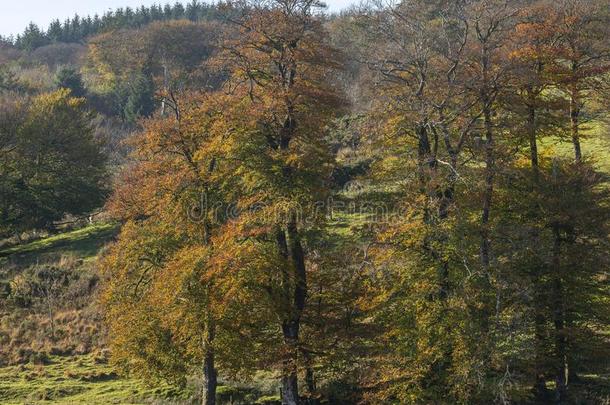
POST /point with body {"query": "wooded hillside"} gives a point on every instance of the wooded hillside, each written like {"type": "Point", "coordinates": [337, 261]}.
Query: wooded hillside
{"type": "Point", "coordinates": [405, 203]}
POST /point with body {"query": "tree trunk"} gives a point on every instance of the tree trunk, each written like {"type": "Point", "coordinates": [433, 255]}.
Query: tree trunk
{"type": "Point", "coordinates": [165, 88]}
{"type": "Point", "coordinates": [290, 384]}
{"type": "Point", "coordinates": [310, 381]}
{"type": "Point", "coordinates": [574, 118]}
{"type": "Point", "coordinates": [210, 381]}
{"type": "Point", "coordinates": [559, 323]}
{"type": "Point", "coordinates": [489, 187]}
{"type": "Point", "coordinates": [290, 327]}
{"type": "Point", "coordinates": [295, 293]}
{"type": "Point", "coordinates": [532, 129]}
{"type": "Point", "coordinates": [311, 387]}
{"type": "Point", "coordinates": [540, 391]}
{"type": "Point", "coordinates": [423, 161]}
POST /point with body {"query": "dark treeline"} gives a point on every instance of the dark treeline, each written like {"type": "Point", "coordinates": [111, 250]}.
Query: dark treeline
{"type": "Point", "coordinates": [78, 28]}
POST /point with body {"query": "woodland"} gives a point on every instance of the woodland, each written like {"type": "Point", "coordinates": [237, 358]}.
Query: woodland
{"type": "Point", "coordinates": [262, 202]}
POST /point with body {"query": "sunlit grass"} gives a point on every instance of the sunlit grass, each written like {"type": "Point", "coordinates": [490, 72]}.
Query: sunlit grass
{"type": "Point", "coordinates": [84, 242]}
{"type": "Point", "coordinates": [78, 380]}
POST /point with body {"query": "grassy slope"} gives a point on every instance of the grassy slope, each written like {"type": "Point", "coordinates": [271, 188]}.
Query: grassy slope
{"type": "Point", "coordinates": [70, 379]}
{"type": "Point", "coordinates": [73, 380]}
{"type": "Point", "coordinates": [84, 243]}
{"type": "Point", "coordinates": [595, 144]}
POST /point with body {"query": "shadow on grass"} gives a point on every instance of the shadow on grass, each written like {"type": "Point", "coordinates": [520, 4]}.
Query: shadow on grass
{"type": "Point", "coordinates": [84, 243]}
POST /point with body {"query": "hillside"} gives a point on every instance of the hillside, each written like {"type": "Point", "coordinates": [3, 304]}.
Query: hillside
{"type": "Point", "coordinates": [263, 202]}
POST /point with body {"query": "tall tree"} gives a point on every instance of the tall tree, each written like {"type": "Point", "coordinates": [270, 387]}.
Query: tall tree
{"type": "Point", "coordinates": [278, 67]}
{"type": "Point", "coordinates": [582, 55]}
{"type": "Point", "coordinates": [166, 270]}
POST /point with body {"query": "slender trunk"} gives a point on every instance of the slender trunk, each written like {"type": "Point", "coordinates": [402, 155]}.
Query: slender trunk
{"type": "Point", "coordinates": [489, 187]}
{"type": "Point", "coordinates": [310, 381]}
{"type": "Point", "coordinates": [210, 381]}
{"type": "Point", "coordinates": [575, 117]}
{"type": "Point", "coordinates": [50, 314]}
{"type": "Point", "coordinates": [559, 323]}
{"type": "Point", "coordinates": [532, 133]}
{"type": "Point", "coordinates": [539, 389]}
{"type": "Point", "coordinates": [165, 88]}
{"type": "Point", "coordinates": [540, 392]}
{"type": "Point", "coordinates": [311, 386]}
{"type": "Point", "coordinates": [423, 156]}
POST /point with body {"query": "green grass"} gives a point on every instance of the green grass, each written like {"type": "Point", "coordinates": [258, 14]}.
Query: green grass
{"type": "Point", "coordinates": [77, 380]}
{"type": "Point", "coordinates": [595, 144]}
{"type": "Point", "coordinates": [84, 243]}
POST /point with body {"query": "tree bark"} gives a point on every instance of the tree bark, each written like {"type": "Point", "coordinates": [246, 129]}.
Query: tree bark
{"type": "Point", "coordinates": [311, 387]}
{"type": "Point", "coordinates": [290, 384]}
{"type": "Point", "coordinates": [559, 323]}
{"type": "Point", "coordinates": [210, 381]}
{"type": "Point", "coordinates": [532, 133]}
{"type": "Point", "coordinates": [489, 186]}
{"type": "Point", "coordinates": [295, 293]}
{"type": "Point", "coordinates": [575, 117]}
{"type": "Point", "coordinates": [310, 381]}
{"type": "Point", "coordinates": [540, 391]}
{"type": "Point", "coordinates": [291, 326]}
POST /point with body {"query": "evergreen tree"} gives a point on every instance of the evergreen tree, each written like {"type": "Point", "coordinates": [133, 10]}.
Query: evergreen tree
{"type": "Point", "coordinates": [32, 38]}
{"type": "Point", "coordinates": [55, 31]}
{"type": "Point", "coordinates": [178, 11]}
{"type": "Point", "coordinates": [140, 101]}
{"type": "Point", "coordinates": [192, 10]}
{"type": "Point", "coordinates": [69, 78]}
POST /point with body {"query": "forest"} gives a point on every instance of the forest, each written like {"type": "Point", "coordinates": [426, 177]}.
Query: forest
{"type": "Point", "coordinates": [265, 202]}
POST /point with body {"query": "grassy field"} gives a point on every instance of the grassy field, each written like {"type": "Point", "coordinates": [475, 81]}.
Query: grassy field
{"type": "Point", "coordinates": [595, 144]}
{"type": "Point", "coordinates": [77, 380]}
{"type": "Point", "coordinates": [84, 243]}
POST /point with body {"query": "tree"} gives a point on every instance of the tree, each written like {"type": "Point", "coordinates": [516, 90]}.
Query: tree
{"type": "Point", "coordinates": [167, 271]}
{"type": "Point", "coordinates": [434, 98]}
{"type": "Point", "coordinates": [140, 101]}
{"type": "Point", "coordinates": [581, 55]}
{"type": "Point", "coordinates": [55, 32]}
{"type": "Point", "coordinates": [54, 166]}
{"type": "Point", "coordinates": [9, 81]}
{"type": "Point", "coordinates": [32, 38]}
{"type": "Point", "coordinates": [169, 54]}
{"type": "Point", "coordinates": [69, 78]}
{"type": "Point", "coordinates": [278, 66]}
